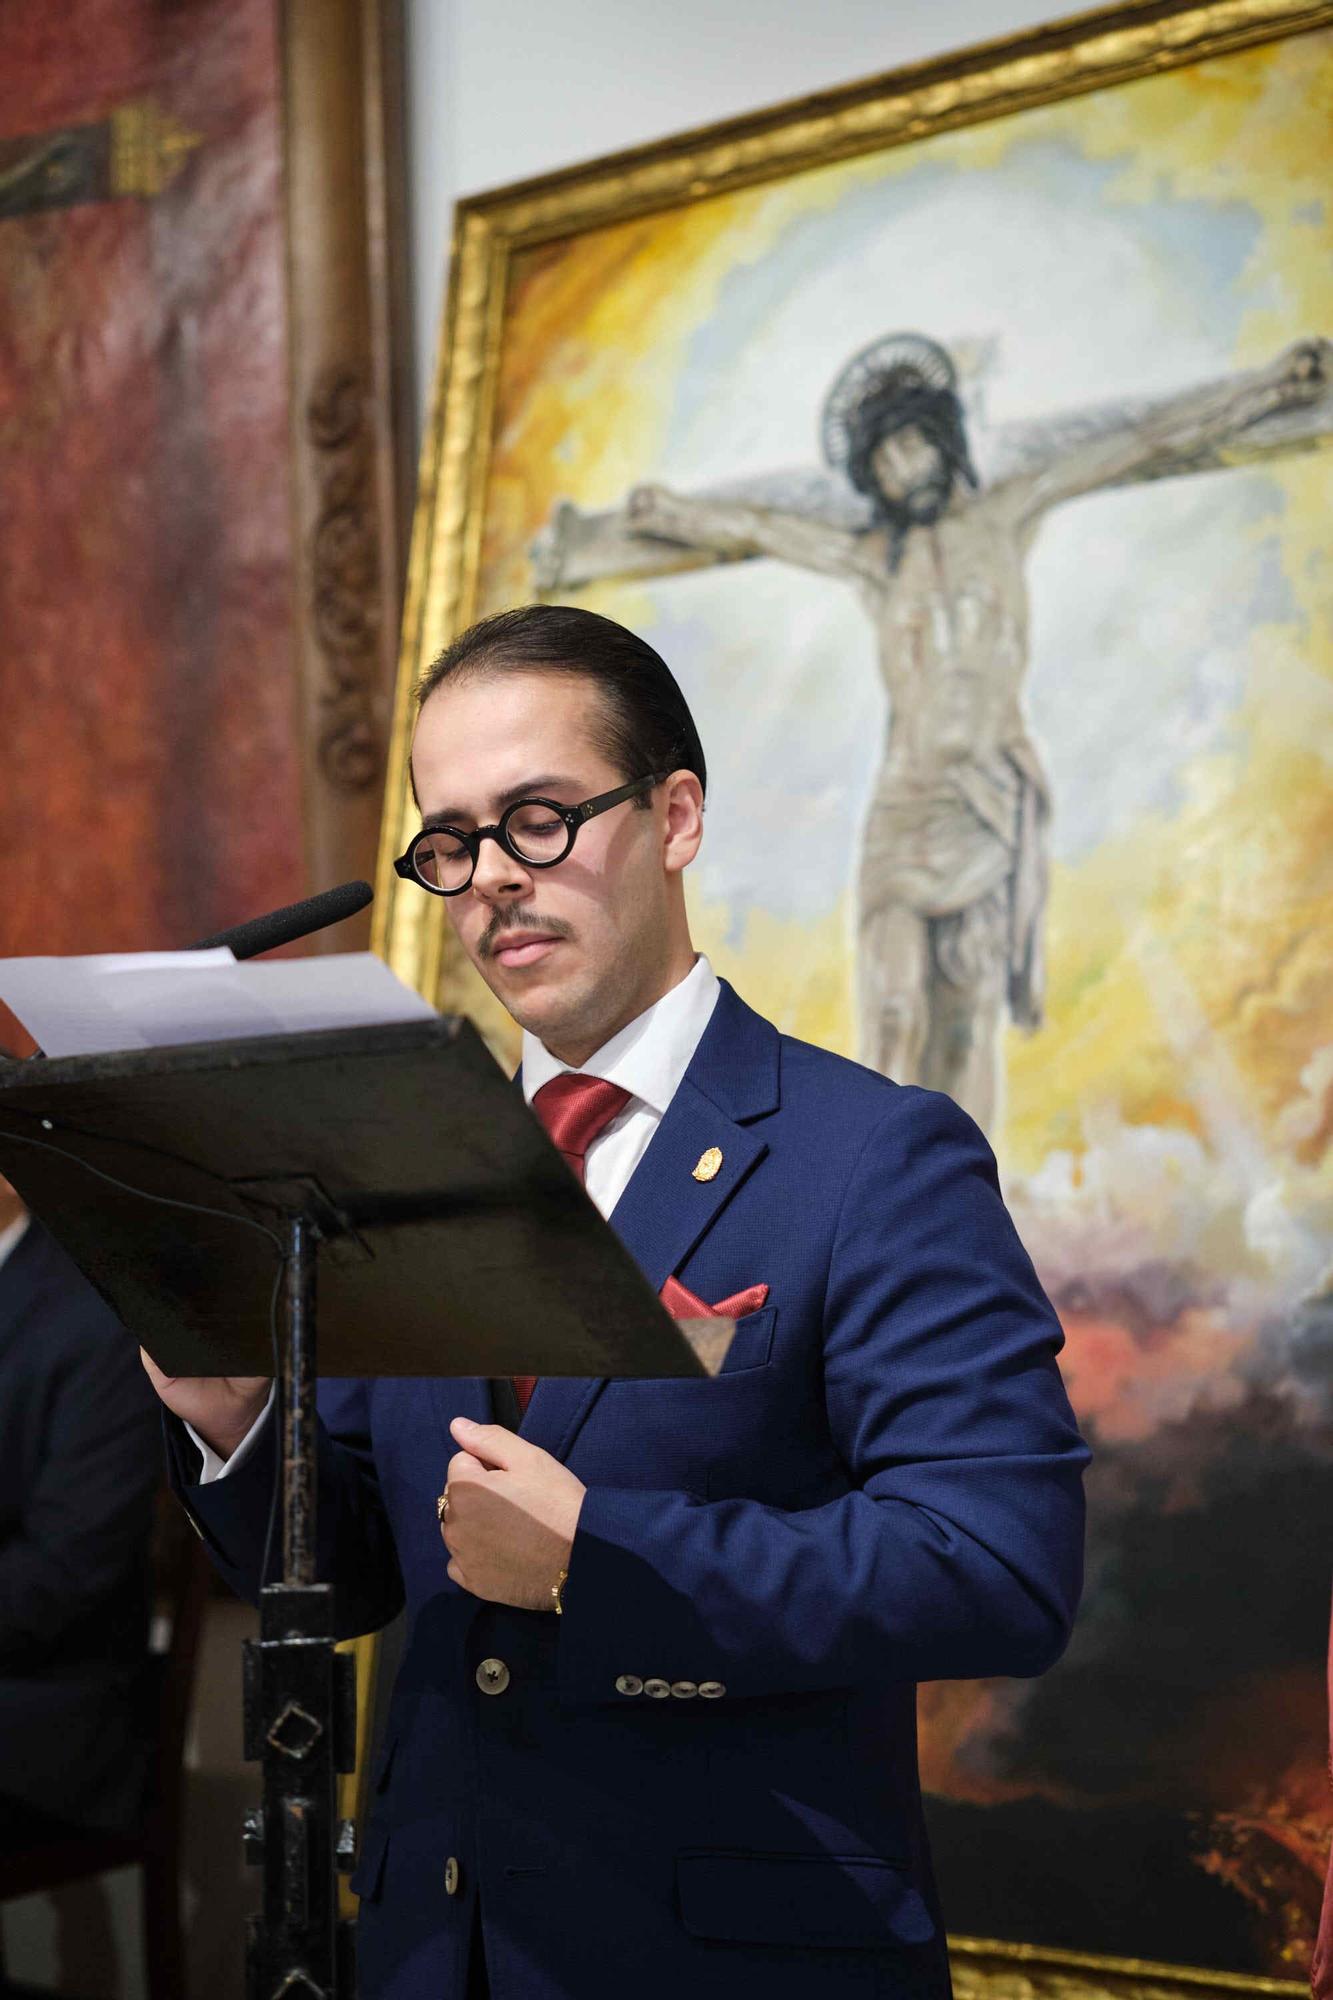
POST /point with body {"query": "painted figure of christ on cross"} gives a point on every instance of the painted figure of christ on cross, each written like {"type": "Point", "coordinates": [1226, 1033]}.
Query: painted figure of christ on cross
{"type": "Point", "coordinates": [953, 865]}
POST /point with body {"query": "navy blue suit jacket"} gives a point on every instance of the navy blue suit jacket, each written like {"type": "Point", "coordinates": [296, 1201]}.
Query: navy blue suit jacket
{"type": "Point", "coordinates": [78, 1474]}
{"type": "Point", "coordinates": [882, 1486]}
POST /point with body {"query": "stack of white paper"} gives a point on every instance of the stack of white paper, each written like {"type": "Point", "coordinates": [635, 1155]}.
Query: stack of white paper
{"type": "Point", "coordinates": [151, 999]}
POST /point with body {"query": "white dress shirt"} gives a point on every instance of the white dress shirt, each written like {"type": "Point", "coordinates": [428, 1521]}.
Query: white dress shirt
{"type": "Point", "coordinates": [648, 1059]}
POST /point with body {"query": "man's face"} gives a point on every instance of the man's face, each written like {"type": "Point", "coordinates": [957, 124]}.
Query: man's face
{"type": "Point", "coordinates": [576, 951]}
{"type": "Point", "coordinates": [912, 473]}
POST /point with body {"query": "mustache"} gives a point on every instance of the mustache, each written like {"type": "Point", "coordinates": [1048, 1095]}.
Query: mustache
{"type": "Point", "coordinates": [504, 923]}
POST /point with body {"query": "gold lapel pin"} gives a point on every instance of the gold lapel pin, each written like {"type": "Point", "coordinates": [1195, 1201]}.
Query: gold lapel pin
{"type": "Point", "coordinates": [710, 1164]}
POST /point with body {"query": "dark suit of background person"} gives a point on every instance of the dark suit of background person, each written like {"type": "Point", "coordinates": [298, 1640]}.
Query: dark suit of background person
{"type": "Point", "coordinates": [701, 1780]}
{"type": "Point", "coordinates": [79, 1466]}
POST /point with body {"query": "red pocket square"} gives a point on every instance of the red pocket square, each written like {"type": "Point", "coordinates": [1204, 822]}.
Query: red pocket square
{"type": "Point", "coordinates": [682, 1303]}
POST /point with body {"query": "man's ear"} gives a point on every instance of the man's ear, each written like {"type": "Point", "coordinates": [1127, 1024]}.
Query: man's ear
{"type": "Point", "coordinates": [684, 801]}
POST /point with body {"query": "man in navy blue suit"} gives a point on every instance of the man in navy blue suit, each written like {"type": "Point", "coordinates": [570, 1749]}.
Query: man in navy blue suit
{"type": "Point", "coordinates": [654, 1729]}
{"type": "Point", "coordinates": [78, 1475]}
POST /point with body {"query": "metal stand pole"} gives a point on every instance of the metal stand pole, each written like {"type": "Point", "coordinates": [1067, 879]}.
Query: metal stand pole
{"type": "Point", "coordinates": [300, 1703]}
{"type": "Point", "coordinates": [298, 1407]}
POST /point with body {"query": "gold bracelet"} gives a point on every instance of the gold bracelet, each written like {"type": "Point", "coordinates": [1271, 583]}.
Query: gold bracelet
{"type": "Point", "coordinates": [556, 1589]}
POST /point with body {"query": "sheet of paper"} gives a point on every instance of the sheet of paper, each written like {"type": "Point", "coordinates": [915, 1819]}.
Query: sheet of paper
{"type": "Point", "coordinates": [147, 1000]}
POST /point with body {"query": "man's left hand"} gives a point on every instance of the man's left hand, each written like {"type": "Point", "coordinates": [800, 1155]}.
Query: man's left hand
{"type": "Point", "coordinates": [512, 1514]}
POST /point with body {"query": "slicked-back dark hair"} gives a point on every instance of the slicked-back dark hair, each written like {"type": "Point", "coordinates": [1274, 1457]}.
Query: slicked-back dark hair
{"type": "Point", "coordinates": [645, 724]}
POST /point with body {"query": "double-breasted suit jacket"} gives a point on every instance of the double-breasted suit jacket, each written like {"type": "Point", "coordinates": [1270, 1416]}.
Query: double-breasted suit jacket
{"type": "Point", "coordinates": [701, 1780]}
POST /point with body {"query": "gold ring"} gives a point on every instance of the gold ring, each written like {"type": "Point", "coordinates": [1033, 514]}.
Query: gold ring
{"type": "Point", "coordinates": [442, 1507]}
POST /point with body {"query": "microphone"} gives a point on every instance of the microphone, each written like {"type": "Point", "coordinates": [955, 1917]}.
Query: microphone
{"type": "Point", "coordinates": [297, 920]}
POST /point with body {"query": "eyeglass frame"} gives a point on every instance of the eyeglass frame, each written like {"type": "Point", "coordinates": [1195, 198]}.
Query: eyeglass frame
{"type": "Point", "coordinates": [574, 817]}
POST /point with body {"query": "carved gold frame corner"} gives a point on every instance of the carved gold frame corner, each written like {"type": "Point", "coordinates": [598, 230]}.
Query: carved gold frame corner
{"type": "Point", "coordinates": [1069, 58]}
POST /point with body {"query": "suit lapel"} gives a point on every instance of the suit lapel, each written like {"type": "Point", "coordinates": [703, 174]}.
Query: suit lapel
{"type": "Point", "coordinates": [664, 1212]}
{"type": "Point", "coordinates": [20, 1273]}
{"type": "Point", "coordinates": [460, 1396]}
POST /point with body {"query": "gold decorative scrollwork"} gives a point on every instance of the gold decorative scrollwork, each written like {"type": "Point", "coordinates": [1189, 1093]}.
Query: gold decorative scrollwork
{"type": "Point", "coordinates": [345, 577]}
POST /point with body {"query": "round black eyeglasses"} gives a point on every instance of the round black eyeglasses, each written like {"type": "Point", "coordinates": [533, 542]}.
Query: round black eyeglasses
{"type": "Point", "coordinates": [537, 832]}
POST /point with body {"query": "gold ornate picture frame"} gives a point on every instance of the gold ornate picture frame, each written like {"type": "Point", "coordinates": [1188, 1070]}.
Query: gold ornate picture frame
{"type": "Point", "coordinates": [497, 471]}
{"type": "Point", "coordinates": [1090, 52]}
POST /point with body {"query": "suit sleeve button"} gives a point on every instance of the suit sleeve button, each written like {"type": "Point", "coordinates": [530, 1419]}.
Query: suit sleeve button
{"type": "Point", "coordinates": [659, 1690]}
{"type": "Point", "coordinates": [683, 1690]}
{"type": "Point", "coordinates": [711, 1690]}
{"type": "Point", "coordinates": [629, 1684]}
{"type": "Point", "coordinates": [451, 1876]}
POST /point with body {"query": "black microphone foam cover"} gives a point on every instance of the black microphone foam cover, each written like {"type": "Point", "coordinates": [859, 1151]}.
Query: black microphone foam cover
{"type": "Point", "coordinates": [297, 920]}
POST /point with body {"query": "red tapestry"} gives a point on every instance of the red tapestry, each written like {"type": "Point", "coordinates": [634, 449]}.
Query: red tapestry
{"type": "Point", "coordinates": [149, 787]}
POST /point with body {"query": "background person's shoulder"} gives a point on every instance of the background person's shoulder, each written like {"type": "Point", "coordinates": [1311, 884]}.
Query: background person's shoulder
{"type": "Point", "coordinates": [75, 1318]}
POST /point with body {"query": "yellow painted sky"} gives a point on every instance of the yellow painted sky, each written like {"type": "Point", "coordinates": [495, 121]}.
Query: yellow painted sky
{"type": "Point", "coordinates": [1188, 960]}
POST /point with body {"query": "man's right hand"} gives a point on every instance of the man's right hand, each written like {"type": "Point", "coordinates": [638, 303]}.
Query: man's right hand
{"type": "Point", "coordinates": [221, 1408]}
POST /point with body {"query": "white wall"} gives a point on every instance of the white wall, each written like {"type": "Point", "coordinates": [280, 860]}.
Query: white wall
{"type": "Point", "coordinates": [498, 90]}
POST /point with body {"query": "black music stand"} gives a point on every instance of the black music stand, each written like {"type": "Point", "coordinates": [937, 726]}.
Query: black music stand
{"type": "Point", "coordinates": [197, 1187]}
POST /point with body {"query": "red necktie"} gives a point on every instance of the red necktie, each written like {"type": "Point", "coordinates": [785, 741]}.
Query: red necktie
{"type": "Point", "coordinates": [574, 1110]}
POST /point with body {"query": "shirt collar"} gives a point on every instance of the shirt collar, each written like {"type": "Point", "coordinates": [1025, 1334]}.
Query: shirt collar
{"type": "Point", "coordinates": [11, 1238]}
{"type": "Point", "coordinates": [648, 1057]}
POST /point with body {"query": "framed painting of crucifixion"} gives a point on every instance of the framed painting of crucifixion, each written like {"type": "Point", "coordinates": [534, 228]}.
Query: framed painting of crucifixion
{"type": "Point", "coordinates": [962, 441]}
